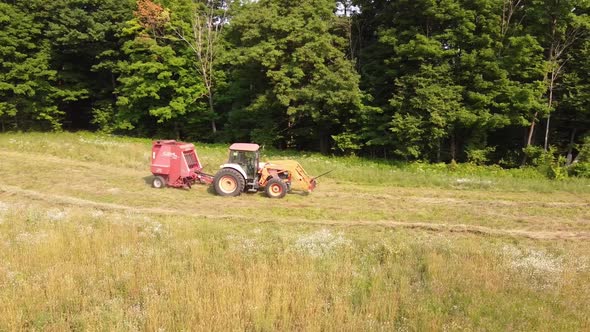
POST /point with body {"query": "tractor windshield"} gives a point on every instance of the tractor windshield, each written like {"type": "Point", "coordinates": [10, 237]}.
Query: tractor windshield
{"type": "Point", "coordinates": [247, 159]}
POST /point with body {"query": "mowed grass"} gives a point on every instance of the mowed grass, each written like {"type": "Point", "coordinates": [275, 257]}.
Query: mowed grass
{"type": "Point", "coordinates": [87, 244]}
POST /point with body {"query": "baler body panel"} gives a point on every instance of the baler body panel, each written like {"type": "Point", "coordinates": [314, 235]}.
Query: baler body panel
{"type": "Point", "coordinates": [178, 163]}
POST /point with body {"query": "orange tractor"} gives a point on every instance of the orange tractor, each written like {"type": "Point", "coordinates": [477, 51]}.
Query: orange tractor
{"type": "Point", "coordinates": [244, 172]}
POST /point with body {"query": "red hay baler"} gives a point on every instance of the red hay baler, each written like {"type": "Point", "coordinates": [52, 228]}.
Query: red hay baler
{"type": "Point", "coordinates": [176, 164]}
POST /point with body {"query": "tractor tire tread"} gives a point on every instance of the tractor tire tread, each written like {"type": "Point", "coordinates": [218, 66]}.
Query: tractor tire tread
{"type": "Point", "coordinates": [279, 182]}
{"type": "Point", "coordinates": [241, 182]}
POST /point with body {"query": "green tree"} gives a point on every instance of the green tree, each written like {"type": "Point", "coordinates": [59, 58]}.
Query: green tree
{"type": "Point", "coordinates": [28, 85]}
{"type": "Point", "coordinates": [452, 71]}
{"type": "Point", "coordinates": [200, 25]}
{"type": "Point", "coordinates": [158, 84]}
{"type": "Point", "coordinates": [83, 47]}
{"type": "Point", "coordinates": [558, 25]}
{"type": "Point", "coordinates": [309, 90]}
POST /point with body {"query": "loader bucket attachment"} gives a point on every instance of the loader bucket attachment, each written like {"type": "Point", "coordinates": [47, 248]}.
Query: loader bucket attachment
{"type": "Point", "coordinates": [300, 180]}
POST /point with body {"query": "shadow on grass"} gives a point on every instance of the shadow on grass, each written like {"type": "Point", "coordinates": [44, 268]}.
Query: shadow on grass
{"type": "Point", "coordinates": [259, 193]}
{"type": "Point", "coordinates": [299, 192]}
{"type": "Point", "coordinates": [211, 189]}
{"type": "Point", "coordinates": [148, 179]}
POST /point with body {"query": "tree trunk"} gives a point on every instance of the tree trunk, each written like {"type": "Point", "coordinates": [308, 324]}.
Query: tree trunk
{"type": "Point", "coordinates": [546, 145]}
{"type": "Point", "coordinates": [114, 84]}
{"type": "Point", "coordinates": [524, 142]}
{"type": "Point", "coordinates": [438, 147]}
{"type": "Point", "coordinates": [213, 125]}
{"type": "Point", "coordinates": [453, 148]}
{"type": "Point", "coordinates": [570, 151]}
{"type": "Point", "coordinates": [324, 142]}
{"type": "Point", "coordinates": [550, 103]}
{"type": "Point", "coordinates": [531, 130]}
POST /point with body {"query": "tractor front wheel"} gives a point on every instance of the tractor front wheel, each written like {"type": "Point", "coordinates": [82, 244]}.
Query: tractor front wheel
{"type": "Point", "coordinates": [158, 182]}
{"type": "Point", "coordinates": [276, 188]}
{"type": "Point", "coordinates": [229, 182]}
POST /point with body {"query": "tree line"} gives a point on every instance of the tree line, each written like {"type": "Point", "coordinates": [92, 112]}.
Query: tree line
{"type": "Point", "coordinates": [486, 81]}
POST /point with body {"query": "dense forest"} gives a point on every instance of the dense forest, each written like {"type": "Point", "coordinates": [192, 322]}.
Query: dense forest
{"type": "Point", "coordinates": [485, 81]}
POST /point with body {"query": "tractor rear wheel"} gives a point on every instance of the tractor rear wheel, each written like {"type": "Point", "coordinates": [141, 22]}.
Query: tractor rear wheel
{"type": "Point", "coordinates": [229, 182]}
{"type": "Point", "coordinates": [276, 188]}
{"type": "Point", "coordinates": [158, 182]}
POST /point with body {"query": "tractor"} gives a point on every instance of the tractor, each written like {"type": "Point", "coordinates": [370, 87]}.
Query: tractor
{"type": "Point", "coordinates": [244, 172]}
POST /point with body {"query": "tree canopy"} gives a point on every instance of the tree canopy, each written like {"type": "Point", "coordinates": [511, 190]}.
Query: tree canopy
{"type": "Point", "coordinates": [486, 81]}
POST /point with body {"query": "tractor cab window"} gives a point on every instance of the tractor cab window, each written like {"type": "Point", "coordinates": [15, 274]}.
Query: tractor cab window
{"type": "Point", "coordinates": [247, 159]}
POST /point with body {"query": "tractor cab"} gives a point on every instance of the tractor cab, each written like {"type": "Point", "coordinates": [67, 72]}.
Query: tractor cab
{"type": "Point", "coordinates": [240, 173]}
{"type": "Point", "coordinates": [245, 155]}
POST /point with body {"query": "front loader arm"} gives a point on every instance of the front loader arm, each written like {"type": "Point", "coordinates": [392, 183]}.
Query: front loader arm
{"type": "Point", "coordinates": [299, 178]}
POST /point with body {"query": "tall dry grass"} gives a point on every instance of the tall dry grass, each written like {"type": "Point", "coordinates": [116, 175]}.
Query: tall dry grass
{"type": "Point", "coordinates": [65, 268]}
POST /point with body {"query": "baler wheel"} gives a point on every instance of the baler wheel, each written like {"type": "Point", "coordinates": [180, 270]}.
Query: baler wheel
{"type": "Point", "coordinates": [158, 182]}
{"type": "Point", "coordinates": [228, 182]}
{"type": "Point", "coordinates": [276, 188]}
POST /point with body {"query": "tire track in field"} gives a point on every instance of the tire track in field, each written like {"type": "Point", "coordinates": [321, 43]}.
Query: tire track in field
{"type": "Point", "coordinates": [434, 227]}
{"type": "Point", "coordinates": [41, 158]}
{"type": "Point", "coordinates": [459, 201]}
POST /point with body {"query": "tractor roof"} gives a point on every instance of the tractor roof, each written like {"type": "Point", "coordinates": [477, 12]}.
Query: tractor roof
{"type": "Point", "coordinates": [244, 147]}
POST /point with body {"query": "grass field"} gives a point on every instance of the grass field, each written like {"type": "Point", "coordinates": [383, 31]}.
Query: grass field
{"type": "Point", "coordinates": [87, 244]}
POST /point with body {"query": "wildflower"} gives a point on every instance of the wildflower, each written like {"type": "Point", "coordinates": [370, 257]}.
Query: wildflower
{"type": "Point", "coordinates": [96, 213]}
{"type": "Point", "coordinates": [31, 238]}
{"type": "Point", "coordinates": [543, 269]}
{"type": "Point", "coordinates": [56, 215]}
{"type": "Point", "coordinates": [243, 245]}
{"type": "Point", "coordinates": [320, 243]}
{"type": "Point", "coordinates": [472, 181]}
{"type": "Point", "coordinates": [4, 207]}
